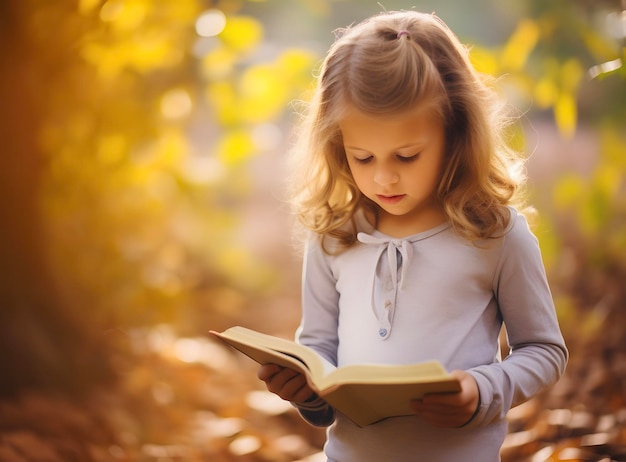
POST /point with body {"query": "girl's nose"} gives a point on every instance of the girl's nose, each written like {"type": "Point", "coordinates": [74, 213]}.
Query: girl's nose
{"type": "Point", "coordinates": [385, 176]}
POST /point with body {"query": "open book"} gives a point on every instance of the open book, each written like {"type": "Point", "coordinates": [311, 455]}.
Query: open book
{"type": "Point", "coordinates": [364, 393]}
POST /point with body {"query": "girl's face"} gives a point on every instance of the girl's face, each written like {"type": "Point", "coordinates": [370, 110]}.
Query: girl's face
{"type": "Point", "coordinates": [396, 162]}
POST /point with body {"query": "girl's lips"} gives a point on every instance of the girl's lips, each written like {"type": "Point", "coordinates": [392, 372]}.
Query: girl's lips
{"type": "Point", "coordinates": [390, 199]}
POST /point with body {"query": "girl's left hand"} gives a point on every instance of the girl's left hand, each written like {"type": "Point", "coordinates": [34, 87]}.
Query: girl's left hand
{"type": "Point", "coordinates": [450, 409]}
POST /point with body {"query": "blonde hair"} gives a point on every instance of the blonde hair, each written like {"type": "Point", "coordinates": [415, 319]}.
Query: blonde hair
{"type": "Point", "coordinates": [389, 63]}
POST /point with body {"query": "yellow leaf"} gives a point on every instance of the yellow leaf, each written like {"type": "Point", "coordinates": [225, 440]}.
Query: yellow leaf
{"type": "Point", "coordinates": [112, 148]}
{"type": "Point", "coordinates": [221, 96]}
{"type": "Point", "coordinates": [171, 149]}
{"type": "Point", "coordinates": [550, 242]}
{"type": "Point", "coordinates": [484, 61]}
{"type": "Point", "coordinates": [613, 149]}
{"type": "Point", "coordinates": [516, 140]}
{"type": "Point", "coordinates": [569, 191]}
{"type": "Point", "coordinates": [242, 33]}
{"type": "Point", "coordinates": [107, 65]}
{"type": "Point", "coordinates": [545, 92]}
{"type": "Point", "coordinates": [607, 180]}
{"type": "Point", "coordinates": [264, 93]}
{"type": "Point", "coordinates": [152, 51]}
{"type": "Point", "coordinates": [87, 6]}
{"type": "Point", "coordinates": [566, 309]}
{"type": "Point", "coordinates": [125, 15]}
{"type": "Point", "coordinates": [296, 66]}
{"type": "Point", "coordinates": [235, 147]}
{"type": "Point", "coordinates": [566, 114]}
{"type": "Point", "coordinates": [520, 45]}
{"type": "Point", "coordinates": [599, 45]}
{"type": "Point", "coordinates": [218, 64]}
{"type": "Point", "coordinates": [144, 54]}
{"type": "Point", "coordinates": [571, 74]}
{"type": "Point", "coordinates": [180, 12]}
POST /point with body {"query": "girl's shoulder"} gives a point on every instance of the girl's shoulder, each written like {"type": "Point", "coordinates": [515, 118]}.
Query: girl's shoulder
{"type": "Point", "coordinates": [335, 243]}
{"type": "Point", "coordinates": [518, 232]}
{"type": "Point", "coordinates": [514, 234]}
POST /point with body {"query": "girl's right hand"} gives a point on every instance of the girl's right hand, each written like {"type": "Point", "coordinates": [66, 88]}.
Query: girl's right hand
{"type": "Point", "coordinates": [290, 385]}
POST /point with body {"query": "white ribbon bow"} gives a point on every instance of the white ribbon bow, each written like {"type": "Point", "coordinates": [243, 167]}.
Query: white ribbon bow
{"type": "Point", "coordinates": [389, 277]}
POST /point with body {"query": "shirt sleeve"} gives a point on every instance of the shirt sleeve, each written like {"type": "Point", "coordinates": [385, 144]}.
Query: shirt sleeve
{"type": "Point", "coordinates": [317, 412]}
{"type": "Point", "coordinates": [320, 303]}
{"type": "Point", "coordinates": [318, 328]}
{"type": "Point", "coordinates": [538, 353]}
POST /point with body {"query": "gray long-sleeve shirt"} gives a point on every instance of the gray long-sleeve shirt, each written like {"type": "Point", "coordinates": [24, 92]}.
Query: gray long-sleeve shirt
{"type": "Point", "coordinates": [433, 295]}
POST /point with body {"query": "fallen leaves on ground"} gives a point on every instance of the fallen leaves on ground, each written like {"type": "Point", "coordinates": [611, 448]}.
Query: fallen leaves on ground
{"type": "Point", "coordinates": [191, 399]}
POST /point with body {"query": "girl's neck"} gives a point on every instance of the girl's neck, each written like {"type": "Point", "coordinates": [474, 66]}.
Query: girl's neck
{"type": "Point", "coordinates": [401, 226]}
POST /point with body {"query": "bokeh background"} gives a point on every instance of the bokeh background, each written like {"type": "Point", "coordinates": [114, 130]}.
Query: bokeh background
{"type": "Point", "coordinates": [141, 204]}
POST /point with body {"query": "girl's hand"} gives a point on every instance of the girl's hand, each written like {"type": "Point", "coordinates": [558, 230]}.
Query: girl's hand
{"type": "Point", "coordinates": [290, 385]}
{"type": "Point", "coordinates": [450, 409]}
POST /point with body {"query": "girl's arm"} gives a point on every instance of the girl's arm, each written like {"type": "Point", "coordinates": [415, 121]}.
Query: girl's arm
{"type": "Point", "coordinates": [318, 328]}
{"type": "Point", "coordinates": [538, 352]}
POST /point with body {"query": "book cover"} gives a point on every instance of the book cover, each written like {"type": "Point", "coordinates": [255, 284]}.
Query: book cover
{"type": "Point", "coordinates": [364, 393]}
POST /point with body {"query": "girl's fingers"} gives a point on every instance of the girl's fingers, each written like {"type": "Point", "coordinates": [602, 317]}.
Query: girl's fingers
{"type": "Point", "coordinates": [286, 383]}
{"type": "Point", "coordinates": [450, 410]}
{"type": "Point", "coordinates": [267, 371]}
{"type": "Point", "coordinates": [296, 389]}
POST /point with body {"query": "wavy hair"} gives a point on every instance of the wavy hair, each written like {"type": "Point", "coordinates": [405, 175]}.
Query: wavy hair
{"type": "Point", "coordinates": [390, 63]}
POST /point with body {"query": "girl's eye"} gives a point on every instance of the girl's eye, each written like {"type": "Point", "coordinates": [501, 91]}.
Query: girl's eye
{"type": "Point", "coordinates": [408, 159]}
{"type": "Point", "coordinates": [363, 160]}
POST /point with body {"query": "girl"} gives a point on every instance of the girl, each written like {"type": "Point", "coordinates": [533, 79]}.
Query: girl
{"type": "Point", "coordinates": [416, 251]}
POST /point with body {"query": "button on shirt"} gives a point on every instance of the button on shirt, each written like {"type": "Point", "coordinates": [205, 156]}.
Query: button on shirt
{"type": "Point", "coordinates": [394, 256]}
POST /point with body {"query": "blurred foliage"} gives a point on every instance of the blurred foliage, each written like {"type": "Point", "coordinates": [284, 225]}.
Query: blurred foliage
{"type": "Point", "coordinates": [140, 204]}
{"type": "Point", "coordinates": [554, 52]}
{"type": "Point", "coordinates": [152, 112]}
{"type": "Point", "coordinates": [136, 129]}
{"type": "Point", "coordinates": [569, 58]}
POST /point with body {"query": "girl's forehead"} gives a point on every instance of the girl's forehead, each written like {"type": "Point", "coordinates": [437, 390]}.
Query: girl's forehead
{"type": "Point", "coordinates": [390, 132]}
{"type": "Point", "coordinates": [419, 112]}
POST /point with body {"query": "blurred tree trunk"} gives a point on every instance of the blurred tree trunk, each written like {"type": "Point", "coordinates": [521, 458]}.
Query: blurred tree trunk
{"type": "Point", "coordinates": [42, 344]}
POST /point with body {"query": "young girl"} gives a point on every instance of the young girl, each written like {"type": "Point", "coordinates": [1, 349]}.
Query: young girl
{"type": "Point", "coordinates": [416, 251]}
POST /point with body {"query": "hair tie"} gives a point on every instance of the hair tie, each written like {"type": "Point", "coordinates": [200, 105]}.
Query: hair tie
{"type": "Point", "coordinates": [403, 33]}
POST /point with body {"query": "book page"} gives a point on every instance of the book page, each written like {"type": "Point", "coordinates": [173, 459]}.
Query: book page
{"type": "Point", "coordinates": [267, 349]}
{"type": "Point", "coordinates": [384, 373]}
{"type": "Point", "coordinates": [366, 403]}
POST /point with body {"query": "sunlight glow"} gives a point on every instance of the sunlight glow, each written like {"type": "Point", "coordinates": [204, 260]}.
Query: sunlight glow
{"type": "Point", "coordinates": [188, 350]}
{"type": "Point", "coordinates": [291, 444]}
{"type": "Point", "coordinates": [218, 427]}
{"type": "Point", "coordinates": [245, 445]}
{"type": "Point", "coordinates": [176, 104]}
{"type": "Point", "coordinates": [201, 351]}
{"type": "Point", "coordinates": [210, 23]}
{"type": "Point", "coordinates": [543, 455]}
{"type": "Point", "coordinates": [616, 24]}
{"type": "Point", "coordinates": [203, 170]}
{"type": "Point", "coordinates": [267, 137]}
{"type": "Point", "coordinates": [267, 403]}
